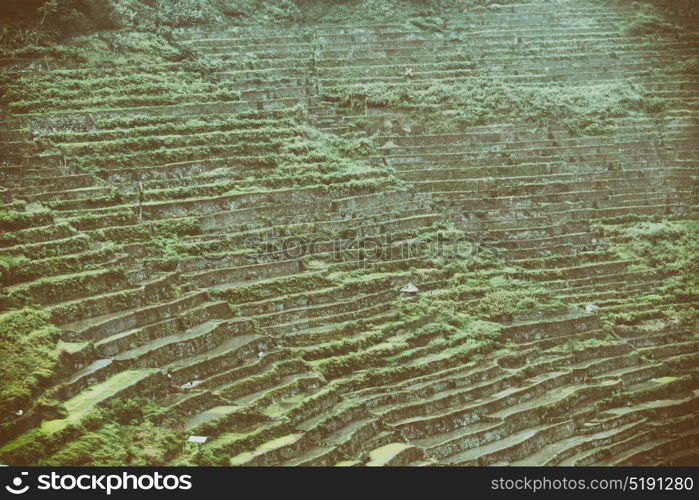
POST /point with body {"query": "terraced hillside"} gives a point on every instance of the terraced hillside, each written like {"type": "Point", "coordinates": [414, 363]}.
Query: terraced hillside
{"type": "Point", "coordinates": [213, 243]}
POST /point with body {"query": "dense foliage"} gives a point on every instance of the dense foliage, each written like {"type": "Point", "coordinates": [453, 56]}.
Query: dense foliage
{"type": "Point", "coordinates": [27, 358]}
{"type": "Point", "coordinates": [74, 16]}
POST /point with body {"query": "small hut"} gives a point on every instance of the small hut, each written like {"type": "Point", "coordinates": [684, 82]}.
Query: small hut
{"type": "Point", "coordinates": [409, 291]}
{"type": "Point", "coordinates": [197, 439]}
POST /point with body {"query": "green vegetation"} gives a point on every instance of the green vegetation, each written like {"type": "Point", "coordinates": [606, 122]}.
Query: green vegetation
{"type": "Point", "coordinates": [507, 300]}
{"type": "Point", "coordinates": [38, 24]}
{"type": "Point", "coordinates": [663, 246]}
{"type": "Point", "coordinates": [121, 432]}
{"type": "Point", "coordinates": [648, 22]}
{"type": "Point", "coordinates": [482, 99]}
{"type": "Point", "coordinates": [167, 85]}
{"type": "Point", "coordinates": [11, 268]}
{"type": "Point", "coordinates": [144, 445]}
{"type": "Point", "coordinates": [666, 250]}
{"type": "Point", "coordinates": [28, 358]}
{"type": "Point", "coordinates": [13, 220]}
{"type": "Point", "coordinates": [209, 231]}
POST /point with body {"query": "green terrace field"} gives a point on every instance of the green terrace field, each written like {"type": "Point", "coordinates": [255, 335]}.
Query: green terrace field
{"type": "Point", "coordinates": [206, 230]}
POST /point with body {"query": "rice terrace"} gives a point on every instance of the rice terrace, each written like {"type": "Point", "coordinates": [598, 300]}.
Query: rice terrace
{"type": "Point", "coordinates": [349, 232]}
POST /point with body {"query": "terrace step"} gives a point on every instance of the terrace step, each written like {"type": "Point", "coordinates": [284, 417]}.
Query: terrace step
{"type": "Point", "coordinates": [555, 453]}
{"type": "Point", "coordinates": [393, 454]}
{"type": "Point", "coordinates": [210, 415]}
{"type": "Point", "coordinates": [122, 341]}
{"type": "Point", "coordinates": [55, 290]}
{"type": "Point", "coordinates": [71, 244]}
{"type": "Point", "coordinates": [511, 448]}
{"type": "Point", "coordinates": [122, 385]}
{"type": "Point", "coordinates": [124, 319]}
{"type": "Point", "coordinates": [226, 354]}
{"type": "Point", "coordinates": [105, 307]}
{"type": "Point", "coordinates": [39, 234]}
{"type": "Point", "coordinates": [598, 453]}
{"type": "Point", "coordinates": [272, 451]}
{"type": "Point", "coordinates": [350, 439]}
{"type": "Point", "coordinates": [91, 374]}
{"type": "Point", "coordinates": [143, 354]}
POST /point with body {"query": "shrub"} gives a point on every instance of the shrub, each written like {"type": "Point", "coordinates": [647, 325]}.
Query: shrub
{"type": "Point", "coordinates": [187, 12]}
{"type": "Point", "coordinates": [27, 358]}
{"type": "Point", "coordinates": [649, 23]}
{"type": "Point", "coordinates": [13, 220]}
{"type": "Point", "coordinates": [12, 268]}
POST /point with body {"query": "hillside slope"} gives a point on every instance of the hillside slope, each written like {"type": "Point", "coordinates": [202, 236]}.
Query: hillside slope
{"type": "Point", "coordinates": [205, 232]}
